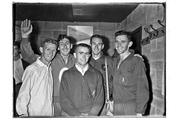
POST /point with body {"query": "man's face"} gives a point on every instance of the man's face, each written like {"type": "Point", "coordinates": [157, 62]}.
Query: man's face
{"type": "Point", "coordinates": [97, 45]}
{"type": "Point", "coordinates": [82, 55]}
{"type": "Point", "coordinates": [49, 51]}
{"type": "Point", "coordinates": [15, 51]}
{"type": "Point", "coordinates": [122, 44]}
{"type": "Point", "coordinates": [64, 46]}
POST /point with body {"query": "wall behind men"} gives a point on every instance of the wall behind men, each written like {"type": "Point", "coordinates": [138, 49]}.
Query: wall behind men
{"type": "Point", "coordinates": [144, 15]}
{"type": "Point", "coordinates": [44, 29]}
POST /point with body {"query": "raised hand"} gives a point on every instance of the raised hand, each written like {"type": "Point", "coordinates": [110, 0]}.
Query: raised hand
{"type": "Point", "coordinates": [26, 28]}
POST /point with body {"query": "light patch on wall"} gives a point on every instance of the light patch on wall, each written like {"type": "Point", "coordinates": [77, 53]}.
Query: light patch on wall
{"type": "Point", "coordinates": [82, 34]}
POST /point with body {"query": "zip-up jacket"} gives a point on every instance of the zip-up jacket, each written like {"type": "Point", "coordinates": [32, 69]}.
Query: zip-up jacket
{"type": "Point", "coordinates": [81, 93]}
{"type": "Point", "coordinates": [130, 82]}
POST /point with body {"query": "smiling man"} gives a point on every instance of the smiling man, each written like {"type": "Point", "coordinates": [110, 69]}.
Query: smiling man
{"type": "Point", "coordinates": [130, 85]}
{"type": "Point", "coordinates": [81, 89]}
{"type": "Point", "coordinates": [62, 60]}
{"type": "Point", "coordinates": [35, 95]}
{"type": "Point", "coordinates": [101, 63]}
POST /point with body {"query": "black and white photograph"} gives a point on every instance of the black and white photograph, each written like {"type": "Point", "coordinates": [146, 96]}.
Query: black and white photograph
{"type": "Point", "coordinates": [89, 60]}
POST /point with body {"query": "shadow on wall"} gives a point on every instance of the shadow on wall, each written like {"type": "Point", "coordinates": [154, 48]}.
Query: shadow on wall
{"type": "Point", "coordinates": [115, 54]}
{"type": "Point", "coordinates": [146, 62]}
{"type": "Point", "coordinates": [106, 45]}
{"type": "Point", "coordinates": [35, 43]}
{"type": "Point", "coordinates": [73, 42]}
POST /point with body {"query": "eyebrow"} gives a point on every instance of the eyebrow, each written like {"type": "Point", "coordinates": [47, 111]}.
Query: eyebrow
{"type": "Point", "coordinates": [97, 43]}
{"type": "Point", "coordinates": [83, 52]}
{"type": "Point", "coordinates": [64, 42]}
{"type": "Point", "coordinates": [121, 40]}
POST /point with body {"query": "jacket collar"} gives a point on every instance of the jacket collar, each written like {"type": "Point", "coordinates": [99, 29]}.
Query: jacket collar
{"type": "Point", "coordinates": [117, 59]}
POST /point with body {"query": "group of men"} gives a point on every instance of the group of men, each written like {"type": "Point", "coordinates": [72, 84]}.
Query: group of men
{"type": "Point", "coordinates": [61, 84]}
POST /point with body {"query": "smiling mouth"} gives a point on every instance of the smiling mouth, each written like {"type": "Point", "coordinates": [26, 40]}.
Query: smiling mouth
{"type": "Point", "coordinates": [49, 55]}
{"type": "Point", "coordinates": [65, 49]}
{"type": "Point", "coordinates": [120, 48]}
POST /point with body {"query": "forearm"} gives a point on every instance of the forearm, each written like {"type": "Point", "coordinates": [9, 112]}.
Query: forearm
{"type": "Point", "coordinates": [142, 95]}
{"type": "Point", "coordinates": [24, 96]}
{"type": "Point", "coordinates": [97, 106]}
{"type": "Point", "coordinates": [26, 51]}
{"type": "Point", "coordinates": [99, 99]}
{"type": "Point", "coordinates": [22, 103]}
{"type": "Point", "coordinates": [21, 109]}
{"type": "Point", "coordinates": [69, 109]}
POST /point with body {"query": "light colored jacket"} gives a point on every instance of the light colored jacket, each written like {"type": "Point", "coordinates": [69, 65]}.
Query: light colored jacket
{"type": "Point", "coordinates": [35, 95]}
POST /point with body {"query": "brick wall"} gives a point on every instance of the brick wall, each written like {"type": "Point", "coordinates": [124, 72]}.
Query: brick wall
{"type": "Point", "coordinates": [144, 15]}
{"type": "Point", "coordinates": [50, 29]}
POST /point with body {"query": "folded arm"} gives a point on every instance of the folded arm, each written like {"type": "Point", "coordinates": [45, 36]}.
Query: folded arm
{"type": "Point", "coordinates": [99, 98]}
{"type": "Point", "coordinates": [65, 101]}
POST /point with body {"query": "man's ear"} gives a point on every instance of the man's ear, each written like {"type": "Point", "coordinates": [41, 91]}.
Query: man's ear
{"type": "Point", "coordinates": [74, 55]}
{"type": "Point", "coordinates": [102, 46]}
{"type": "Point", "coordinates": [130, 44]}
{"type": "Point", "coordinates": [41, 49]}
{"type": "Point", "coordinates": [71, 46]}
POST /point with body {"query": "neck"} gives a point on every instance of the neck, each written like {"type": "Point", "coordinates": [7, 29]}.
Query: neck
{"type": "Point", "coordinates": [65, 57]}
{"type": "Point", "coordinates": [81, 66]}
{"type": "Point", "coordinates": [96, 56]}
{"type": "Point", "coordinates": [44, 61]}
{"type": "Point", "coordinates": [124, 55]}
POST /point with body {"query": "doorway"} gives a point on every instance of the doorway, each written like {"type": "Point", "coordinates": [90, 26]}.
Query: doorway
{"type": "Point", "coordinates": [136, 38]}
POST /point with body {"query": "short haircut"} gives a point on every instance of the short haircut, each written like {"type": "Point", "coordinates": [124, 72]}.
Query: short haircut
{"type": "Point", "coordinates": [96, 36]}
{"type": "Point", "coordinates": [49, 40]}
{"type": "Point", "coordinates": [16, 43]}
{"type": "Point", "coordinates": [62, 36]}
{"type": "Point", "coordinates": [123, 32]}
{"type": "Point", "coordinates": [82, 45]}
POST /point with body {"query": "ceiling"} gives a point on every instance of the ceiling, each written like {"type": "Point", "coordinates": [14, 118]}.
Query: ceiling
{"type": "Point", "coordinates": [114, 12]}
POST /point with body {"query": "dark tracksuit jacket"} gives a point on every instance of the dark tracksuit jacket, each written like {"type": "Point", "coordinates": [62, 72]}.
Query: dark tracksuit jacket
{"type": "Point", "coordinates": [81, 94]}
{"type": "Point", "coordinates": [130, 83]}
{"type": "Point", "coordinates": [99, 64]}
{"type": "Point", "coordinates": [57, 65]}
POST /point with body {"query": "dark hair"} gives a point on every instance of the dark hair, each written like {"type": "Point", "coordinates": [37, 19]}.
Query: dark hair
{"type": "Point", "coordinates": [123, 32]}
{"type": "Point", "coordinates": [49, 40]}
{"type": "Point", "coordinates": [96, 36]}
{"type": "Point", "coordinates": [83, 45]}
{"type": "Point", "coordinates": [62, 36]}
{"type": "Point", "coordinates": [16, 43]}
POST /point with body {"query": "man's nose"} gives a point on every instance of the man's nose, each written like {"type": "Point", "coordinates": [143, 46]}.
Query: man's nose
{"type": "Point", "coordinates": [50, 52]}
{"type": "Point", "coordinates": [84, 56]}
{"type": "Point", "coordinates": [96, 47]}
{"type": "Point", "coordinates": [119, 44]}
{"type": "Point", "coordinates": [65, 46]}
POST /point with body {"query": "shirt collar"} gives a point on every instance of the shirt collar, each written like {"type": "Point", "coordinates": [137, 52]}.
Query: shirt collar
{"type": "Point", "coordinates": [41, 63]}
{"type": "Point", "coordinates": [82, 71]}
